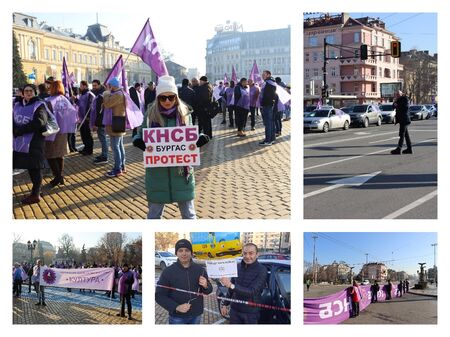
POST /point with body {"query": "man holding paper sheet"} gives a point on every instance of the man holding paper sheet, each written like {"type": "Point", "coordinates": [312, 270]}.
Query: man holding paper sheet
{"type": "Point", "coordinates": [246, 287]}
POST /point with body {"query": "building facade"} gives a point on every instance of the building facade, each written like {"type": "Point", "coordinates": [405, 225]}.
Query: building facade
{"type": "Point", "coordinates": [374, 271]}
{"type": "Point", "coordinates": [90, 56]}
{"type": "Point", "coordinates": [349, 79]}
{"type": "Point", "coordinates": [231, 46]}
{"type": "Point", "coordinates": [268, 241]}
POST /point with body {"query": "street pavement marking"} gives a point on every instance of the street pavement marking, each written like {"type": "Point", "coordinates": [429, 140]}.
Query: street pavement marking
{"type": "Point", "coordinates": [347, 139]}
{"type": "Point", "coordinates": [360, 156]}
{"type": "Point", "coordinates": [412, 205]}
{"type": "Point", "coordinates": [350, 181]}
{"type": "Point", "coordinates": [383, 140]}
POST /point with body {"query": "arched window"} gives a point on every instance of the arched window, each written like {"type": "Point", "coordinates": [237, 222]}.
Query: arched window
{"type": "Point", "coordinates": [32, 50]}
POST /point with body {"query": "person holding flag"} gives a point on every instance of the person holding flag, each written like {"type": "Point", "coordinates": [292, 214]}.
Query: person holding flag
{"type": "Point", "coordinates": [84, 103]}
{"type": "Point", "coordinates": [267, 100]}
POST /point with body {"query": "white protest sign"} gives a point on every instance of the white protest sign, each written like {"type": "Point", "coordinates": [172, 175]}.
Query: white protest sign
{"type": "Point", "coordinates": [221, 268]}
{"type": "Point", "coordinates": [174, 146]}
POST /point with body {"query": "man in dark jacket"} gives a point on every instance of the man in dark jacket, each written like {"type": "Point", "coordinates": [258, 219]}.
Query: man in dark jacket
{"type": "Point", "coordinates": [374, 288]}
{"type": "Point", "coordinates": [84, 106]}
{"type": "Point", "coordinates": [149, 94]}
{"type": "Point", "coordinates": [247, 286]}
{"type": "Point", "coordinates": [183, 307]}
{"type": "Point", "coordinates": [402, 117]}
{"type": "Point", "coordinates": [125, 284]}
{"type": "Point", "coordinates": [185, 93]}
{"type": "Point", "coordinates": [267, 98]}
{"type": "Point", "coordinates": [97, 90]}
{"type": "Point", "coordinates": [203, 101]}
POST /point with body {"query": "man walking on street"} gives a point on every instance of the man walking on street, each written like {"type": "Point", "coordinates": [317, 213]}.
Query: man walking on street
{"type": "Point", "coordinates": [402, 117]}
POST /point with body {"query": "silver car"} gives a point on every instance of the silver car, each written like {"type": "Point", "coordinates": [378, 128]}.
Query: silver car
{"type": "Point", "coordinates": [164, 259]}
{"type": "Point", "coordinates": [418, 112]}
{"type": "Point", "coordinates": [326, 119]}
{"type": "Point", "coordinates": [388, 113]}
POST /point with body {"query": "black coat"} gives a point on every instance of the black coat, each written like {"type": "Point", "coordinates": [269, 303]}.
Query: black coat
{"type": "Point", "coordinates": [177, 276]}
{"type": "Point", "coordinates": [149, 97]}
{"type": "Point", "coordinates": [401, 106]}
{"type": "Point", "coordinates": [187, 95]}
{"type": "Point", "coordinates": [249, 284]}
{"type": "Point", "coordinates": [134, 96]}
{"type": "Point", "coordinates": [268, 94]}
{"type": "Point", "coordinates": [98, 106]}
{"type": "Point", "coordinates": [35, 157]}
{"type": "Point", "coordinates": [204, 97]}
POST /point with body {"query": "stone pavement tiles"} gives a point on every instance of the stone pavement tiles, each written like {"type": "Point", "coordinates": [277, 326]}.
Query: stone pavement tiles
{"type": "Point", "coordinates": [26, 312]}
{"type": "Point", "coordinates": [237, 180]}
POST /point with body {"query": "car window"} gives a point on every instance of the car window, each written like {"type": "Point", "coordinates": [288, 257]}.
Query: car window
{"type": "Point", "coordinates": [166, 254]}
{"type": "Point", "coordinates": [359, 108]}
{"type": "Point", "coordinates": [332, 113]}
{"type": "Point", "coordinates": [284, 281]}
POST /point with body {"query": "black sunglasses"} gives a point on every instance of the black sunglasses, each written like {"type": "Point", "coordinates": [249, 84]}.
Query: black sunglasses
{"type": "Point", "coordinates": [163, 98]}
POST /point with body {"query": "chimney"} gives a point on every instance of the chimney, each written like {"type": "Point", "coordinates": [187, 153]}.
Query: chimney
{"type": "Point", "coordinates": [345, 18]}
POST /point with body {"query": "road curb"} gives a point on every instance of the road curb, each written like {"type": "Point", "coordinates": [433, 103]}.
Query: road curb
{"type": "Point", "coordinates": [421, 294]}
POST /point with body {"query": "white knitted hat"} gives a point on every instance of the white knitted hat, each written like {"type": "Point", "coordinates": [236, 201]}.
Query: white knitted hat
{"type": "Point", "coordinates": [166, 84]}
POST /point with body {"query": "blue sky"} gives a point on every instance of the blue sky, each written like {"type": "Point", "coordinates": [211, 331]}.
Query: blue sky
{"type": "Point", "coordinates": [405, 249]}
{"type": "Point", "coordinates": [90, 239]}
{"type": "Point", "coordinates": [184, 35]}
{"type": "Point", "coordinates": [415, 30]}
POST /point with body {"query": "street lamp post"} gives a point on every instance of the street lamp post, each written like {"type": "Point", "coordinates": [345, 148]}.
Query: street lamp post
{"type": "Point", "coordinates": [31, 247]}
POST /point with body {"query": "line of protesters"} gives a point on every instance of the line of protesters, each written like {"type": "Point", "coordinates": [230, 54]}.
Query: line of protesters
{"type": "Point", "coordinates": [185, 274]}
{"type": "Point", "coordinates": [127, 281]}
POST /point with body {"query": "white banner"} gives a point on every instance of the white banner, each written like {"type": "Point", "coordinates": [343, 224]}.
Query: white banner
{"type": "Point", "coordinates": [89, 278]}
{"type": "Point", "coordinates": [221, 268]}
{"type": "Point", "coordinates": [283, 95]}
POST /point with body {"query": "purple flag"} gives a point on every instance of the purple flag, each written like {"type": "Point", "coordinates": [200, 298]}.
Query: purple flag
{"type": "Point", "coordinates": [65, 78]}
{"type": "Point", "coordinates": [233, 74]}
{"type": "Point", "coordinates": [147, 49]}
{"type": "Point", "coordinates": [254, 74]}
{"type": "Point", "coordinates": [116, 71]}
{"type": "Point", "coordinates": [225, 78]}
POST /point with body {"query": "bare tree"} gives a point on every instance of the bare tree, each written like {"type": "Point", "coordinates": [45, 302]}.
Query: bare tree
{"type": "Point", "coordinates": [16, 238]}
{"type": "Point", "coordinates": [111, 245]}
{"type": "Point", "coordinates": [67, 245]}
{"type": "Point", "coordinates": [420, 76]}
{"type": "Point", "coordinates": [165, 239]}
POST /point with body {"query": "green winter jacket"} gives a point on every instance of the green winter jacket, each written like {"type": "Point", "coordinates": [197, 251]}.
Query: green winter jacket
{"type": "Point", "coordinates": [167, 184]}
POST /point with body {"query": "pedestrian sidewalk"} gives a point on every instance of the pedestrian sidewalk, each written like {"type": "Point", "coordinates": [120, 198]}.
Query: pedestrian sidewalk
{"type": "Point", "coordinates": [237, 179]}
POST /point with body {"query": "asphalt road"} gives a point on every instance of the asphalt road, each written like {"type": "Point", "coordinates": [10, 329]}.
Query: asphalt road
{"type": "Point", "coordinates": [386, 186]}
{"type": "Point", "coordinates": [408, 309]}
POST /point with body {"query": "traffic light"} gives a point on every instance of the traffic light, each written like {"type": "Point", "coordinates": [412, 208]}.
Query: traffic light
{"type": "Point", "coordinates": [395, 49]}
{"type": "Point", "coordinates": [324, 92]}
{"type": "Point", "coordinates": [363, 52]}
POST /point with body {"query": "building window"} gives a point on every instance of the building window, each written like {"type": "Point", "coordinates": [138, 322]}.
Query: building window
{"type": "Point", "coordinates": [356, 37]}
{"type": "Point", "coordinates": [95, 60]}
{"type": "Point", "coordinates": [316, 72]}
{"type": "Point", "coordinates": [60, 56]}
{"type": "Point", "coordinates": [315, 56]}
{"type": "Point", "coordinates": [32, 50]}
{"type": "Point", "coordinates": [67, 57]}
{"type": "Point", "coordinates": [74, 58]}
{"type": "Point", "coordinates": [333, 71]}
{"type": "Point", "coordinates": [85, 59]}
{"type": "Point", "coordinates": [306, 73]}
{"type": "Point", "coordinates": [80, 59]}
{"type": "Point", "coordinates": [313, 42]}
{"type": "Point", "coordinates": [329, 39]}
{"type": "Point", "coordinates": [54, 55]}
{"type": "Point", "coordinates": [90, 59]}
{"type": "Point", "coordinates": [374, 89]}
{"type": "Point", "coordinates": [46, 54]}
{"type": "Point", "coordinates": [332, 54]}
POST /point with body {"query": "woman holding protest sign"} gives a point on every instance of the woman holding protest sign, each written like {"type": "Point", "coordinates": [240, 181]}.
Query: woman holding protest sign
{"type": "Point", "coordinates": [168, 184]}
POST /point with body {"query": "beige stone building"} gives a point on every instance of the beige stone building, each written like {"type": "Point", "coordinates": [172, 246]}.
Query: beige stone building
{"type": "Point", "coordinates": [90, 56]}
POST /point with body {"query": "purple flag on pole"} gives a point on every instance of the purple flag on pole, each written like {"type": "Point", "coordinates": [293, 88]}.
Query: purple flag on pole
{"type": "Point", "coordinates": [225, 78]}
{"type": "Point", "coordinates": [233, 74]}
{"type": "Point", "coordinates": [254, 74]}
{"type": "Point", "coordinates": [65, 78]}
{"type": "Point", "coordinates": [116, 71]}
{"type": "Point", "coordinates": [147, 49]}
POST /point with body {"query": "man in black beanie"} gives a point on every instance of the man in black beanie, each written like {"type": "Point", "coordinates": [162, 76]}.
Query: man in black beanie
{"type": "Point", "coordinates": [183, 308]}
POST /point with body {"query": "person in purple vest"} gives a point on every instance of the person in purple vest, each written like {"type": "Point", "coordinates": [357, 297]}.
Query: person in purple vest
{"type": "Point", "coordinates": [56, 146]}
{"type": "Point", "coordinates": [230, 103]}
{"type": "Point", "coordinates": [254, 103]}
{"type": "Point", "coordinates": [125, 289]}
{"type": "Point", "coordinates": [242, 105]}
{"type": "Point", "coordinates": [29, 120]}
{"type": "Point", "coordinates": [84, 103]}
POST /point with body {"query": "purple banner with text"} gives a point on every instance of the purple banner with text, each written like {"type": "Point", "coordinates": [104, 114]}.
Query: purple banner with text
{"type": "Point", "coordinates": [89, 278]}
{"type": "Point", "coordinates": [336, 308]}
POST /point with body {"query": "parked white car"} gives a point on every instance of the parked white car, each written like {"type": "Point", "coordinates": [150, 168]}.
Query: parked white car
{"type": "Point", "coordinates": [388, 113]}
{"type": "Point", "coordinates": [326, 119]}
{"type": "Point", "coordinates": [164, 259]}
